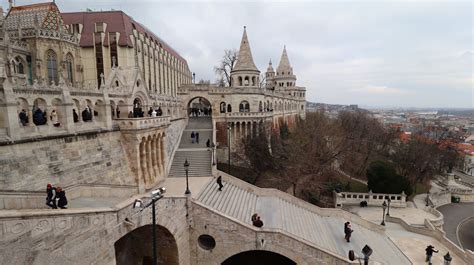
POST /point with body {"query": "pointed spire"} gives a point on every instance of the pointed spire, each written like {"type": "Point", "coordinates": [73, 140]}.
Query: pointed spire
{"type": "Point", "coordinates": [270, 67]}
{"type": "Point", "coordinates": [245, 59]}
{"type": "Point", "coordinates": [284, 65]}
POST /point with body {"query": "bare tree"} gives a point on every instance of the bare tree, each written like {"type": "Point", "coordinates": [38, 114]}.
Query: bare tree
{"type": "Point", "coordinates": [225, 66]}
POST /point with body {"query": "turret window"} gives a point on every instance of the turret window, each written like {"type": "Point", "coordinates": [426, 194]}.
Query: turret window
{"type": "Point", "coordinates": [69, 68]}
{"type": "Point", "coordinates": [244, 106]}
{"type": "Point", "coordinates": [222, 107]}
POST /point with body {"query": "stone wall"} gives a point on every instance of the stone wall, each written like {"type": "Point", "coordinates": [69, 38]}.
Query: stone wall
{"type": "Point", "coordinates": [72, 237]}
{"type": "Point", "coordinates": [173, 136]}
{"type": "Point", "coordinates": [97, 158]}
{"type": "Point", "coordinates": [233, 237]}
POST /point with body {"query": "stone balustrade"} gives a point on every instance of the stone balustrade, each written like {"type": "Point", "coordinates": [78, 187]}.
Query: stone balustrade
{"type": "Point", "coordinates": [142, 123]}
{"type": "Point", "coordinates": [372, 199]}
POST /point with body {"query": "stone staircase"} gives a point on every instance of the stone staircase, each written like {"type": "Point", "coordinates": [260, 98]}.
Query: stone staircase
{"type": "Point", "coordinates": [197, 154]}
{"type": "Point", "coordinates": [321, 227]}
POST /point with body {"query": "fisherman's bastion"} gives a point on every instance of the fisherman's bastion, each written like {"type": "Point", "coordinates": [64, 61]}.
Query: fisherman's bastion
{"type": "Point", "coordinates": [98, 104]}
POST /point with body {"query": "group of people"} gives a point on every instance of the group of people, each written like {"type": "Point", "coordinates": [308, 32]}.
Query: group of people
{"type": "Point", "coordinates": [155, 112]}
{"type": "Point", "coordinates": [194, 137]}
{"type": "Point", "coordinates": [55, 197]}
{"type": "Point", "coordinates": [197, 112]}
{"type": "Point", "coordinates": [39, 117]}
{"type": "Point", "coordinates": [87, 114]}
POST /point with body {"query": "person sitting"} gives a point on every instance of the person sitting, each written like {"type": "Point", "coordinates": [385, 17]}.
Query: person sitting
{"type": "Point", "coordinates": [51, 196]}
{"type": "Point", "coordinates": [130, 114]}
{"type": "Point", "coordinates": [62, 200]}
{"type": "Point", "coordinates": [258, 223]}
{"type": "Point", "coordinates": [39, 117]}
{"type": "Point", "coordinates": [75, 116]}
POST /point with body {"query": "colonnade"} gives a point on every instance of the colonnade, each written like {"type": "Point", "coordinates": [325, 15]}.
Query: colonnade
{"type": "Point", "coordinates": [241, 129]}
{"type": "Point", "coordinates": [152, 158]}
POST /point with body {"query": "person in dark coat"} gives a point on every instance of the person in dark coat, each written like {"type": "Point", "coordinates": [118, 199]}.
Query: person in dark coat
{"type": "Point", "coordinates": [348, 231]}
{"type": "Point", "coordinates": [117, 110]}
{"type": "Point", "coordinates": [51, 196]}
{"type": "Point", "coordinates": [150, 111]}
{"type": "Point", "coordinates": [23, 117]}
{"type": "Point", "coordinates": [192, 137]}
{"type": "Point", "coordinates": [219, 182]}
{"type": "Point", "coordinates": [429, 253]}
{"type": "Point", "coordinates": [38, 117]}
{"type": "Point", "coordinates": [208, 143]}
{"type": "Point", "coordinates": [159, 112]}
{"type": "Point", "coordinates": [197, 137]}
{"type": "Point", "coordinates": [258, 222]}
{"type": "Point", "coordinates": [62, 200]}
{"type": "Point", "coordinates": [75, 116]}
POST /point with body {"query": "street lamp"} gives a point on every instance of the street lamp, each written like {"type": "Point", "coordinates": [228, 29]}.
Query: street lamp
{"type": "Point", "coordinates": [384, 206]}
{"type": "Point", "coordinates": [447, 259]}
{"type": "Point", "coordinates": [228, 147]}
{"type": "Point", "coordinates": [388, 209]}
{"type": "Point", "coordinates": [186, 169]}
{"type": "Point", "coordinates": [428, 198]}
{"type": "Point", "coordinates": [155, 196]}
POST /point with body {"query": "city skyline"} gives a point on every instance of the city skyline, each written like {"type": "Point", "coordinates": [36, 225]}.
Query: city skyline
{"type": "Point", "coordinates": [385, 54]}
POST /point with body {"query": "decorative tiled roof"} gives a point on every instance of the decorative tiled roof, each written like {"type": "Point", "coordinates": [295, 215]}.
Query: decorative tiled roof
{"type": "Point", "coordinates": [117, 21]}
{"type": "Point", "coordinates": [43, 15]}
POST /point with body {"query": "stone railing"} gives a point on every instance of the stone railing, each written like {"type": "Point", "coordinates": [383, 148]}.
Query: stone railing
{"type": "Point", "coordinates": [16, 200]}
{"type": "Point", "coordinates": [326, 212]}
{"type": "Point", "coordinates": [372, 199]}
{"type": "Point", "coordinates": [142, 123]}
{"type": "Point", "coordinates": [248, 114]}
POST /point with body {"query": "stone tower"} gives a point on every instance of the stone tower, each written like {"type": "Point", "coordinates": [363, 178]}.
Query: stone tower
{"type": "Point", "coordinates": [270, 76]}
{"type": "Point", "coordinates": [284, 73]}
{"type": "Point", "coordinates": [245, 73]}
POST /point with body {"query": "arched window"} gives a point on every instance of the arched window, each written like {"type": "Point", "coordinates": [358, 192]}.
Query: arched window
{"type": "Point", "coordinates": [222, 107]}
{"type": "Point", "coordinates": [260, 108]}
{"type": "Point", "coordinates": [253, 81]}
{"type": "Point", "coordinates": [69, 68]}
{"type": "Point", "coordinates": [246, 81]}
{"type": "Point", "coordinates": [240, 81]}
{"type": "Point", "coordinates": [51, 60]}
{"type": "Point", "coordinates": [244, 106]}
{"type": "Point", "coordinates": [21, 69]}
{"type": "Point", "coordinates": [229, 108]}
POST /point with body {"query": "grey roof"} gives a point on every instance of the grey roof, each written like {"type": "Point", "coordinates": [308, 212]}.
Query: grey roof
{"type": "Point", "coordinates": [245, 59]}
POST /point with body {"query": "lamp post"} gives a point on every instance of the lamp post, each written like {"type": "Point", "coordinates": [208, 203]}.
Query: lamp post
{"type": "Point", "coordinates": [228, 147]}
{"type": "Point", "coordinates": [155, 196]}
{"type": "Point", "coordinates": [384, 206]}
{"type": "Point", "coordinates": [447, 259]}
{"type": "Point", "coordinates": [427, 198]}
{"type": "Point", "coordinates": [388, 209]}
{"type": "Point", "coordinates": [186, 169]}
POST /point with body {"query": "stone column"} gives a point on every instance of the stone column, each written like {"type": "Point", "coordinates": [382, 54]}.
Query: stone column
{"type": "Point", "coordinates": [154, 156]}
{"type": "Point", "coordinates": [163, 156]}
{"type": "Point", "coordinates": [143, 162]}
{"type": "Point", "coordinates": [158, 152]}
{"type": "Point", "coordinates": [149, 162]}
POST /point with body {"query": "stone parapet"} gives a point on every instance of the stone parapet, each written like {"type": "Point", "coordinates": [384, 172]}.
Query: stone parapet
{"type": "Point", "coordinates": [372, 199]}
{"type": "Point", "coordinates": [142, 123]}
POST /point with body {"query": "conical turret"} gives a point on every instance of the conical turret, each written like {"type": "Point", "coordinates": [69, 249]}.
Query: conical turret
{"type": "Point", "coordinates": [245, 59]}
{"type": "Point", "coordinates": [270, 76]}
{"type": "Point", "coordinates": [284, 72]}
{"type": "Point", "coordinates": [245, 73]}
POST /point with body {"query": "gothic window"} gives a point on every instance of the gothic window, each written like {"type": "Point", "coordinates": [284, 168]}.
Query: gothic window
{"type": "Point", "coordinates": [246, 81]}
{"type": "Point", "coordinates": [240, 81]}
{"type": "Point", "coordinates": [253, 81]}
{"type": "Point", "coordinates": [229, 108]}
{"type": "Point", "coordinates": [244, 106]}
{"type": "Point", "coordinates": [51, 60]}
{"type": "Point", "coordinates": [69, 67]}
{"type": "Point", "coordinates": [222, 107]}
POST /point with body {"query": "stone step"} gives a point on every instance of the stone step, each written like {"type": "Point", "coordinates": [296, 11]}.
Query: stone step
{"type": "Point", "coordinates": [325, 231]}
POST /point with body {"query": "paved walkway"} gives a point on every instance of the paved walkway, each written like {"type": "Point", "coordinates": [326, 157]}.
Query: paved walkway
{"type": "Point", "coordinates": [410, 215]}
{"type": "Point", "coordinates": [413, 245]}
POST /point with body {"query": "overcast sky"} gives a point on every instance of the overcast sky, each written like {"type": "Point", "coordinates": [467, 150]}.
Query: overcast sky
{"type": "Point", "coordinates": [371, 53]}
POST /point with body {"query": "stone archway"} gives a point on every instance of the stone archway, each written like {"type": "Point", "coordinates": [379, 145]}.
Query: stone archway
{"type": "Point", "coordinates": [136, 247]}
{"type": "Point", "coordinates": [199, 106]}
{"type": "Point", "coordinates": [260, 257]}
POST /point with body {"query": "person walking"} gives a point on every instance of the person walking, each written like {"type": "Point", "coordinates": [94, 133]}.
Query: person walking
{"type": "Point", "coordinates": [51, 196]}
{"type": "Point", "coordinates": [192, 137]}
{"type": "Point", "coordinates": [429, 253]}
{"type": "Point", "coordinates": [208, 143]}
{"type": "Point", "coordinates": [219, 182]}
{"type": "Point", "coordinates": [348, 231]}
{"type": "Point", "coordinates": [62, 200]}
{"type": "Point", "coordinates": [197, 137]}
{"type": "Point", "coordinates": [117, 111]}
